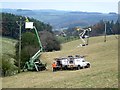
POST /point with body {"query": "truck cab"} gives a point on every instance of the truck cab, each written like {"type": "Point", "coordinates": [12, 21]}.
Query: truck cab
{"type": "Point", "coordinates": [77, 62]}
{"type": "Point", "coordinates": [81, 63]}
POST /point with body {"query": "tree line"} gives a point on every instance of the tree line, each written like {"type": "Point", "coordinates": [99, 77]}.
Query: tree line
{"type": "Point", "coordinates": [111, 28]}
{"type": "Point", "coordinates": [98, 29]}
{"type": "Point", "coordinates": [11, 29]}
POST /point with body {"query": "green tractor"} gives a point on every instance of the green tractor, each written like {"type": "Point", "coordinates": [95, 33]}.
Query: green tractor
{"type": "Point", "coordinates": [34, 64]}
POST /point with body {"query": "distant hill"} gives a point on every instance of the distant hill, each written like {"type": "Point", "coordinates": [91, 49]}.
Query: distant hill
{"type": "Point", "coordinates": [61, 19]}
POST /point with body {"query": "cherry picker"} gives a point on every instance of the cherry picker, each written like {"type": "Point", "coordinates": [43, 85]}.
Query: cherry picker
{"type": "Point", "coordinates": [34, 64]}
{"type": "Point", "coordinates": [84, 35]}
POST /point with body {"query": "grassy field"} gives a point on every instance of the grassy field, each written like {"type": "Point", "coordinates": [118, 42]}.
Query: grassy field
{"type": "Point", "coordinates": [102, 74]}
{"type": "Point", "coordinates": [7, 46]}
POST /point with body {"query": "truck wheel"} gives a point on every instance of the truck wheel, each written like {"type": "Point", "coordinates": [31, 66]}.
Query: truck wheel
{"type": "Point", "coordinates": [88, 65]}
{"type": "Point", "coordinates": [78, 67]}
{"type": "Point", "coordinates": [65, 68]}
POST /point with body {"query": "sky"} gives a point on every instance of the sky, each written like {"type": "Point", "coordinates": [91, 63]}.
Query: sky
{"type": "Point", "coordinates": [104, 6]}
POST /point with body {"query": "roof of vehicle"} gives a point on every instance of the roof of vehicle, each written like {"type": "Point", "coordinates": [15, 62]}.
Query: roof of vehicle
{"type": "Point", "coordinates": [70, 57]}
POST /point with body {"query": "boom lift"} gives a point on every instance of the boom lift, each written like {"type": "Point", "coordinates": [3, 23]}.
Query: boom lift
{"type": "Point", "coordinates": [34, 63]}
{"type": "Point", "coordinates": [84, 35]}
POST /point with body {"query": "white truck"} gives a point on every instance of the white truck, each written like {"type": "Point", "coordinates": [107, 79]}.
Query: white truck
{"type": "Point", "coordinates": [77, 62]}
{"type": "Point", "coordinates": [62, 63]}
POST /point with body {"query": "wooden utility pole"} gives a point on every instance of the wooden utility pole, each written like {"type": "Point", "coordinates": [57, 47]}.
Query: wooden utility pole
{"type": "Point", "coordinates": [105, 32]}
{"type": "Point", "coordinates": [88, 37]}
{"type": "Point", "coordinates": [20, 27]}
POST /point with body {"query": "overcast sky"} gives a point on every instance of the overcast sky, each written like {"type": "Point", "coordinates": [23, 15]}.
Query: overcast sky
{"type": "Point", "coordinates": [103, 6]}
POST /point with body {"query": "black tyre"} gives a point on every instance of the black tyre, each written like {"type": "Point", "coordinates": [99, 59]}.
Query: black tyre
{"type": "Point", "coordinates": [65, 68]}
{"type": "Point", "coordinates": [88, 65]}
{"type": "Point", "coordinates": [78, 67]}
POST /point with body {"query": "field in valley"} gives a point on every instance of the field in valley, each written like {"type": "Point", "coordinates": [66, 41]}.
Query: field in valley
{"type": "Point", "coordinates": [103, 72]}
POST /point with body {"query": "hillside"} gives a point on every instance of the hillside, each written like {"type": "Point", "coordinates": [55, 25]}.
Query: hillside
{"type": "Point", "coordinates": [102, 74]}
{"type": "Point", "coordinates": [8, 46]}
{"type": "Point", "coordinates": [11, 29]}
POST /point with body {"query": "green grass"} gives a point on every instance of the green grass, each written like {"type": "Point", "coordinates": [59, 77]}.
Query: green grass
{"type": "Point", "coordinates": [8, 46]}
{"type": "Point", "coordinates": [62, 39]}
{"type": "Point", "coordinates": [102, 74]}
